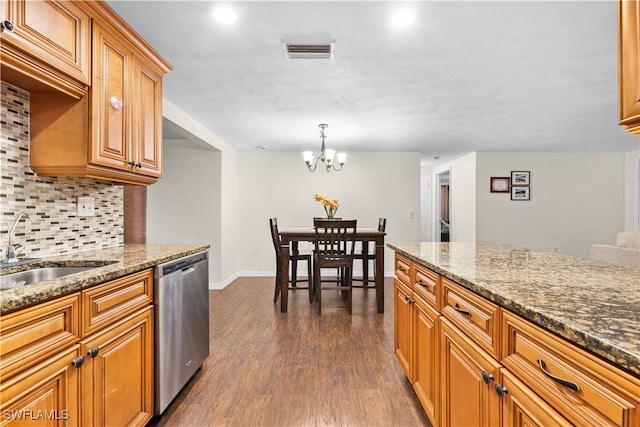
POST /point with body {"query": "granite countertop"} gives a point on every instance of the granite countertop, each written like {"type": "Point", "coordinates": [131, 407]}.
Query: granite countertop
{"type": "Point", "coordinates": [590, 303]}
{"type": "Point", "coordinates": [111, 263]}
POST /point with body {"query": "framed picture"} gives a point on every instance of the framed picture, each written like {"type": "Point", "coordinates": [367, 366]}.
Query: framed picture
{"type": "Point", "coordinates": [500, 184]}
{"type": "Point", "coordinates": [520, 193]}
{"type": "Point", "coordinates": [520, 177]}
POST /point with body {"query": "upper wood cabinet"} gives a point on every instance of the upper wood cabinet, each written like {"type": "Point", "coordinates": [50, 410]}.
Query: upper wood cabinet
{"type": "Point", "coordinates": [629, 64]}
{"type": "Point", "coordinates": [114, 132]}
{"type": "Point", "coordinates": [45, 45]}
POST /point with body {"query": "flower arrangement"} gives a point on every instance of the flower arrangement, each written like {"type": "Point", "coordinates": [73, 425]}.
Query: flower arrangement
{"type": "Point", "coordinates": [330, 205]}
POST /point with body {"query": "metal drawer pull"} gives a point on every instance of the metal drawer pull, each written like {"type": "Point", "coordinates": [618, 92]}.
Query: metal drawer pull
{"type": "Point", "coordinates": [487, 377]}
{"type": "Point", "coordinates": [457, 308]}
{"type": "Point", "coordinates": [570, 385]}
{"type": "Point", "coordinates": [401, 268]}
{"type": "Point", "coordinates": [421, 283]}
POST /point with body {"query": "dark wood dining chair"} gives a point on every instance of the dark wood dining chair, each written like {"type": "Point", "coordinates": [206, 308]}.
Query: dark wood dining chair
{"type": "Point", "coordinates": [366, 257]}
{"type": "Point", "coordinates": [294, 258]}
{"type": "Point", "coordinates": [334, 246]}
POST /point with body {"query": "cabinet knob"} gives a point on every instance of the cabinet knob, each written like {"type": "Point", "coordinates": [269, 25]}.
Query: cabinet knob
{"type": "Point", "coordinates": [116, 103]}
{"type": "Point", "coordinates": [77, 362]}
{"type": "Point", "coordinates": [501, 390]}
{"type": "Point", "coordinates": [7, 25]}
{"type": "Point", "coordinates": [487, 377]}
{"type": "Point", "coordinates": [93, 352]}
{"type": "Point", "coordinates": [139, 165]}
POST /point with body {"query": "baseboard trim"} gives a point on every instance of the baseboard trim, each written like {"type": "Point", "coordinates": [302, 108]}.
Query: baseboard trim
{"type": "Point", "coordinates": [216, 286]}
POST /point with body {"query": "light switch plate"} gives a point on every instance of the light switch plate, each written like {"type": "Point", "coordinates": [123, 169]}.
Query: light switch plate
{"type": "Point", "coordinates": [86, 206]}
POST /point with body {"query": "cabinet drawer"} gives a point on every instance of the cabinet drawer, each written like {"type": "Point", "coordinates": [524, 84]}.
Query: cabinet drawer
{"type": "Point", "coordinates": [31, 335]}
{"type": "Point", "coordinates": [112, 301]}
{"type": "Point", "coordinates": [474, 315]}
{"type": "Point", "coordinates": [595, 393]}
{"type": "Point", "coordinates": [426, 284]}
{"type": "Point", "coordinates": [403, 270]}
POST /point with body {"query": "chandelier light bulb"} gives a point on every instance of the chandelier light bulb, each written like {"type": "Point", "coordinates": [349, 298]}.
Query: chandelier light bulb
{"type": "Point", "coordinates": [325, 156]}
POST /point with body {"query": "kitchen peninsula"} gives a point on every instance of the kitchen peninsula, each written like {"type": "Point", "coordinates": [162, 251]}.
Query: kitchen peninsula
{"type": "Point", "coordinates": [535, 336]}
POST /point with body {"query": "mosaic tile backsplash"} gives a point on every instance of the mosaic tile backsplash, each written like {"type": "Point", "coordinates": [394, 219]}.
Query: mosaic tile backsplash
{"type": "Point", "coordinates": [53, 226]}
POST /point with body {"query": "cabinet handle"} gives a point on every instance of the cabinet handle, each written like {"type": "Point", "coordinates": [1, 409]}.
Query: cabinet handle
{"type": "Point", "coordinates": [570, 385]}
{"type": "Point", "coordinates": [77, 362]}
{"type": "Point", "coordinates": [487, 377]}
{"type": "Point", "coordinates": [7, 25]}
{"type": "Point", "coordinates": [139, 165]}
{"type": "Point", "coordinates": [116, 103]}
{"type": "Point", "coordinates": [131, 163]}
{"type": "Point", "coordinates": [501, 390]}
{"type": "Point", "coordinates": [421, 283]}
{"type": "Point", "coordinates": [457, 308]}
{"type": "Point", "coordinates": [401, 268]}
{"type": "Point", "coordinates": [93, 352]}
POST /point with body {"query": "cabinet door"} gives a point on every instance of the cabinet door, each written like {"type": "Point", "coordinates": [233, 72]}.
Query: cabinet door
{"type": "Point", "coordinates": [147, 123]}
{"type": "Point", "coordinates": [521, 407]}
{"type": "Point", "coordinates": [403, 327]}
{"type": "Point", "coordinates": [118, 378]}
{"type": "Point", "coordinates": [466, 399]}
{"type": "Point", "coordinates": [426, 374]}
{"type": "Point", "coordinates": [110, 103]}
{"type": "Point", "coordinates": [53, 35]}
{"type": "Point", "coordinates": [629, 64]}
{"type": "Point", "coordinates": [45, 395]}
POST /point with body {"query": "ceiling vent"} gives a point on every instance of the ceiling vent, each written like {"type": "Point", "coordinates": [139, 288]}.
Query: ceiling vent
{"type": "Point", "coordinates": [309, 51]}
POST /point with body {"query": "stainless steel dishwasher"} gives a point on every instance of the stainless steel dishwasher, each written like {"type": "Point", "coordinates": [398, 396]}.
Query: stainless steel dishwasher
{"type": "Point", "coordinates": [181, 301]}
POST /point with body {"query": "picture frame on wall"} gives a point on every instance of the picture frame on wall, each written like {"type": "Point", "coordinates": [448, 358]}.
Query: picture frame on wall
{"type": "Point", "coordinates": [500, 184]}
{"type": "Point", "coordinates": [520, 177]}
{"type": "Point", "coordinates": [520, 193]}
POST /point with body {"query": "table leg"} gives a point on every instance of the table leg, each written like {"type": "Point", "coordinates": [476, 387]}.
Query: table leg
{"type": "Point", "coordinates": [284, 277]}
{"type": "Point", "coordinates": [380, 275]}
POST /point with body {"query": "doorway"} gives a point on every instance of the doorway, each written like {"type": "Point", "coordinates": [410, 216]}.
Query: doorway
{"type": "Point", "coordinates": [442, 226]}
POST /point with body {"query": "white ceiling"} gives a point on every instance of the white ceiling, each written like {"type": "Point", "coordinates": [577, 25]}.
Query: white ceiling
{"type": "Point", "coordinates": [465, 76]}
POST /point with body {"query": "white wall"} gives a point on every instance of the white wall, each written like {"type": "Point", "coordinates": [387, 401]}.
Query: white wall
{"type": "Point", "coordinates": [577, 199]}
{"type": "Point", "coordinates": [462, 198]}
{"type": "Point", "coordinates": [371, 185]}
{"type": "Point", "coordinates": [632, 191]}
{"type": "Point", "coordinates": [183, 205]}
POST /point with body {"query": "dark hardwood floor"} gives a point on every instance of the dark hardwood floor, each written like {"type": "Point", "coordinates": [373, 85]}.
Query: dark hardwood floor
{"type": "Point", "coordinates": [297, 369]}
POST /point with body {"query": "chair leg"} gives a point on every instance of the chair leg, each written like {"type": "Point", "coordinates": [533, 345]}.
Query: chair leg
{"type": "Point", "coordinates": [277, 287]}
{"type": "Point", "coordinates": [349, 279]}
{"type": "Point", "coordinates": [310, 280]}
{"type": "Point", "coordinates": [294, 273]}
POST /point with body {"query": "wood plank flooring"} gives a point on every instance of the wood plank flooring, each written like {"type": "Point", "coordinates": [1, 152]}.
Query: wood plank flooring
{"type": "Point", "coordinates": [297, 369]}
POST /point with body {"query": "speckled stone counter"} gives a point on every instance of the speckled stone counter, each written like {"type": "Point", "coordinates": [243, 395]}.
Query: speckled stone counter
{"type": "Point", "coordinates": [111, 263]}
{"type": "Point", "coordinates": [590, 303]}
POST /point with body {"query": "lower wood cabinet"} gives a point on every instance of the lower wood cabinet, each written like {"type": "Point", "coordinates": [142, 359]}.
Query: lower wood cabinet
{"type": "Point", "coordinates": [54, 374]}
{"type": "Point", "coordinates": [521, 407]}
{"type": "Point", "coordinates": [46, 394]}
{"type": "Point", "coordinates": [117, 379]}
{"type": "Point", "coordinates": [468, 381]}
{"type": "Point", "coordinates": [426, 367]}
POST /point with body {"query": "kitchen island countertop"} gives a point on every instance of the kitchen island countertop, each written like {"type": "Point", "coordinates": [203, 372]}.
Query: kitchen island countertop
{"type": "Point", "coordinates": [592, 304]}
{"type": "Point", "coordinates": [111, 263]}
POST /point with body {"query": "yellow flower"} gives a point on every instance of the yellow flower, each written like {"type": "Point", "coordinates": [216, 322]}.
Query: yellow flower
{"type": "Point", "coordinates": [330, 205]}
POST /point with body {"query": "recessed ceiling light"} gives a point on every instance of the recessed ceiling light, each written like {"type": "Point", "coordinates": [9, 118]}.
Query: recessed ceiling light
{"type": "Point", "coordinates": [224, 15]}
{"type": "Point", "coordinates": [402, 18]}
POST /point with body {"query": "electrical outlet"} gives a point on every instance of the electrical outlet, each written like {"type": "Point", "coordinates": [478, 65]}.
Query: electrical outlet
{"type": "Point", "coordinates": [410, 214]}
{"type": "Point", "coordinates": [554, 249]}
{"type": "Point", "coordinates": [86, 206]}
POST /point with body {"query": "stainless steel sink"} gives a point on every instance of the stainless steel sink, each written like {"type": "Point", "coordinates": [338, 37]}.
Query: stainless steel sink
{"type": "Point", "coordinates": [36, 275]}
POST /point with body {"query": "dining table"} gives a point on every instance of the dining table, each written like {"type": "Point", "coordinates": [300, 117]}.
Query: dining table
{"type": "Point", "coordinates": [290, 237]}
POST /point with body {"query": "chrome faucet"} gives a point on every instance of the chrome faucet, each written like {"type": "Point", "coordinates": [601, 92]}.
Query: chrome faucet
{"type": "Point", "coordinates": [13, 251]}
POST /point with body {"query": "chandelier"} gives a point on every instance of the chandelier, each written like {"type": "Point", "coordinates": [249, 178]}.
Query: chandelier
{"type": "Point", "coordinates": [326, 155]}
